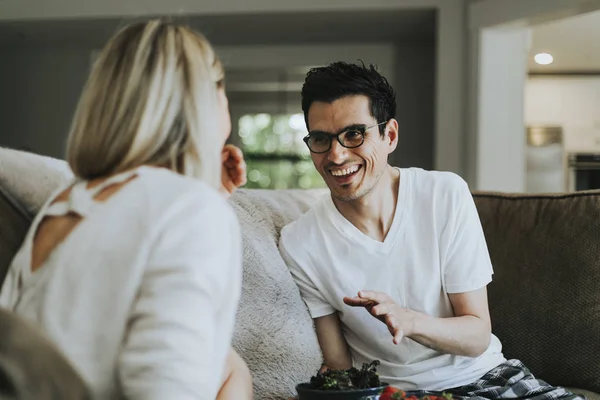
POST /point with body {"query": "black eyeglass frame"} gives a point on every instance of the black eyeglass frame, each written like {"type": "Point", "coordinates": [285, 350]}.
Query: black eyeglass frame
{"type": "Point", "coordinates": [337, 136]}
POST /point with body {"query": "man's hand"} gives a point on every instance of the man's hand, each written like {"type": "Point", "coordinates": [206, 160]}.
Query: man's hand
{"type": "Point", "coordinates": [467, 333]}
{"type": "Point", "coordinates": [400, 321]}
{"type": "Point", "coordinates": [233, 170]}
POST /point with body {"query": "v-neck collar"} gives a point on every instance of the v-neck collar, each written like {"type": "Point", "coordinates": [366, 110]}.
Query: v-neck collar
{"type": "Point", "coordinates": [354, 234]}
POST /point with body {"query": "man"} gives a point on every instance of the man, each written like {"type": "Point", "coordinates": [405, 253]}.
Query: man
{"type": "Point", "coordinates": [402, 246]}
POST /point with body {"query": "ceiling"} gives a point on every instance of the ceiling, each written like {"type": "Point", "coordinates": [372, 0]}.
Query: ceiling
{"type": "Point", "coordinates": [248, 29]}
{"type": "Point", "coordinates": [573, 42]}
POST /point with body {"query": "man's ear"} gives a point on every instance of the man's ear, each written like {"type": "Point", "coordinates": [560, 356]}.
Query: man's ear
{"type": "Point", "coordinates": [392, 134]}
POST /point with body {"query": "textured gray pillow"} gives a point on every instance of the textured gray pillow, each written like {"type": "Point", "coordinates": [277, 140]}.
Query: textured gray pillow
{"type": "Point", "coordinates": [274, 332]}
{"type": "Point", "coordinates": [26, 181]}
{"type": "Point", "coordinates": [31, 178]}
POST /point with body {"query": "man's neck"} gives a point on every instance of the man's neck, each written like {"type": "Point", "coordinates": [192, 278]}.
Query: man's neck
{"type": "Point", "coordinates": [373, 213]}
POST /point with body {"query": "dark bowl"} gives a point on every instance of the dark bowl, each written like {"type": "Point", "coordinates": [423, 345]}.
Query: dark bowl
{"type": "Point", "coordinates": [306, 393]}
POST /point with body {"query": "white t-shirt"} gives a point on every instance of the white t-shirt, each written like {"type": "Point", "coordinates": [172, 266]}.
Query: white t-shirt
{"type": "Point", "coordinates": [434, 247]}
{"type": "Point", "coordinates": [141, 296]}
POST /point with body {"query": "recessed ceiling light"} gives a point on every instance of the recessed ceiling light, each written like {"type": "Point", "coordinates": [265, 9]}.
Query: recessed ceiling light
{"type": "Point", "coordinates": [543, 58]}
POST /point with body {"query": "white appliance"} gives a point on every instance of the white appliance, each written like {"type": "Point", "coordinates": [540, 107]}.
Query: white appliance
{"type": "Point", "coordinates": [545, 160]}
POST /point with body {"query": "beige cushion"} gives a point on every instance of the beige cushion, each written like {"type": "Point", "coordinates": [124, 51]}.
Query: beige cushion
{"type": "Point", "coordinates": [31, 178]}
{"type": "Point", "coordinates": [545, 296]}
{"type": "Point", "coordinates": [26, 182]}
{"type": "Point", "coordinates": [274, 332]}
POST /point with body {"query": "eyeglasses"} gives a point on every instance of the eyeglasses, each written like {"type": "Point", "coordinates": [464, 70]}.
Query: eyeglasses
{"type": "Point", "coordinates": [320, 142]}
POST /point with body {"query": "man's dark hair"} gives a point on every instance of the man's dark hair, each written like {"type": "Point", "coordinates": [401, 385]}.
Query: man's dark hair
{"type": "Point", "coordinates": [341, 79]}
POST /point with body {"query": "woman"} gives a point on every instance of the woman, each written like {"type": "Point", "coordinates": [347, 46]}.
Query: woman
{"type": "Point", "coordinates": [134, 270]}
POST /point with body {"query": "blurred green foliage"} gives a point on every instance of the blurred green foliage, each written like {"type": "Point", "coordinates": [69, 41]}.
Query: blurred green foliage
{"type": "Point", "coordinates": [276, 156]}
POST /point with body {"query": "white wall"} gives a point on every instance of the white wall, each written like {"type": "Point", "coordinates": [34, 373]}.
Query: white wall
{"type": "Point", "coordinates": [570, 102]}
{"type": "Point", "coordinates": [501, 144]}
{"type": "Point", "coordinates": [489, 13]}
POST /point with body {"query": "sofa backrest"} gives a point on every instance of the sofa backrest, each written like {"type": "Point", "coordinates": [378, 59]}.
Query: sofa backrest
{"type": "Point", "coordinates": [545, 295]}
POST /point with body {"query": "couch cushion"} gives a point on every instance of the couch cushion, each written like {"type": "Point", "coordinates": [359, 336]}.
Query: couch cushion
{"type": "Point", "coordinates": [26, 182]}
{"type": "Point", "coordinates": [31, 178]}
{"type": "Point", "coordinates": [274, 332]}
{"type": "Point", "coordinates": [545, 296]}
{"type": "Point", "coordinates": [14, 223]}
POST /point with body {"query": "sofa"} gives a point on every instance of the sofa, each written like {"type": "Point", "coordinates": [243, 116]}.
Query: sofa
{"type": "Point", "coordinates": [544, 300]}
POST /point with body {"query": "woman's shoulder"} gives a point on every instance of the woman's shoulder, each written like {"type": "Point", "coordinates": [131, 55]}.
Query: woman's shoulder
{"type": "Point", "coordinates": [168, 186]}
{"type": "Point", "coordinates": [186, 212]}
{"type": "Point", "coordinates": [168, 193]}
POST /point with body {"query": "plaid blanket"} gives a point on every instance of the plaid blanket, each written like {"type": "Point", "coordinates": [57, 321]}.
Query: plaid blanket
{"type": "Point", "coordinates": [510, 380]}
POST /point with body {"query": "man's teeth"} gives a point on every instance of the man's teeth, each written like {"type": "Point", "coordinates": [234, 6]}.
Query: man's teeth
{"type": "Point", "coordinates": [343, 172]}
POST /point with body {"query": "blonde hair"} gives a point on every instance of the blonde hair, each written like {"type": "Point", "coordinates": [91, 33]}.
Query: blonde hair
{"type": "Point", "coordinates": [151, 99]}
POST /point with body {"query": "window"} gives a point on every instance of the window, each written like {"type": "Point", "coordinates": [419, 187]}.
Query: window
{"type": "Point", "coordinates": [276, 156]}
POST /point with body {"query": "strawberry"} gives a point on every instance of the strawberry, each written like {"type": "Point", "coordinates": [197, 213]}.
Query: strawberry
{"type": "Point", "coordinates": [392, 393]}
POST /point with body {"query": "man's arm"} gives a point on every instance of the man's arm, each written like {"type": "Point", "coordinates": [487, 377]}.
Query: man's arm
{"type": "Point", "coordinates": [336, 354]}
{"type": "Point", "coordinates": [468, 333]}
{"type": "Point", "coordinates": [328, 327]}
{"type": "Point", "coordinates": [467, 270]}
